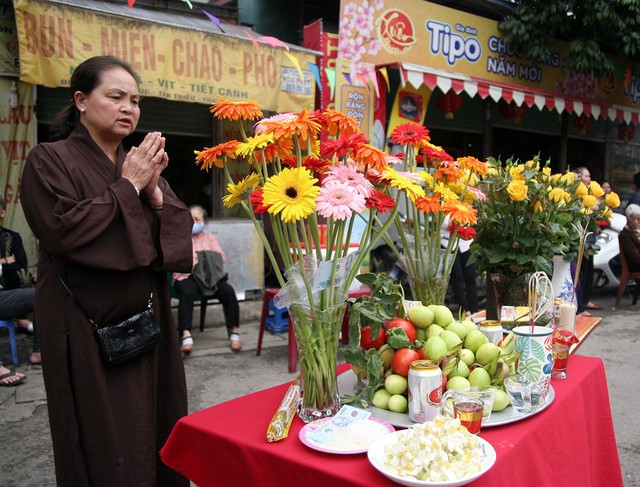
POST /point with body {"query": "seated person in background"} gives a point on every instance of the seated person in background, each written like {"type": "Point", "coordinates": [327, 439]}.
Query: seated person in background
{"type": "Point", "coordinates": [629, 238]}
{"type": "Point", "coordinates": [14, 302]}
{"type": "Point", "coordinates": [187, 287]}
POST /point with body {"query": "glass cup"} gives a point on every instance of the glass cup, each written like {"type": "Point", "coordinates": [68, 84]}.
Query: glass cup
{"type": "Point", "coordinates": [560, 353]}
{"type": "Point", "coordinates": [469, 412]}
{"type": "Point", "coordinates": [486, 394]}
{"type": "Point", "coordinates": [526, 396]}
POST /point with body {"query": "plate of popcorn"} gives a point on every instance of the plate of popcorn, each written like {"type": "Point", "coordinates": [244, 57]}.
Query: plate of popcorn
{"type": "Point", "coordinates": [438, 453]}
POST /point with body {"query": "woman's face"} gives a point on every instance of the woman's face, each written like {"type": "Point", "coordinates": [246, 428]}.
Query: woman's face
{"type": "Point", "coordinates": [197, 215]}
{"type": "Point", "coordinates": [606, 187]}
{"type": "Point", "coordinates": [111, 111]}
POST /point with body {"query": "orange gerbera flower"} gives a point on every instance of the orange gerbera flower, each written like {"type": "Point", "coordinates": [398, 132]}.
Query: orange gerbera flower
{"type": "Point", "coordinates": [280, 148]}
{"type": "Point", "coordinates": [303, 125]}
{"type": "Point", "coordinates": [339, 123]}
{"type": "Point", "coordinates": [448, 172]}
{"type": "Point", "coordinates": [410, 133]}
{"type": "Point", "coordinates": [216, 155]}
{"type": "Point", "coordinates": [429, 204]}
{"type": "Point", "coordinates": [473, 164]}
{"type": "Point", "coordinates": [368, 155]}
{"type": "Point", "coordinates": [236, 110]}
{"type": "Point", "coordinates": [460, 212]}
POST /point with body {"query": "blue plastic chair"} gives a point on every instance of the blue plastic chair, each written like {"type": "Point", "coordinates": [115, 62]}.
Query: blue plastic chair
{"type": "Point", "coordinates": [8, 324]}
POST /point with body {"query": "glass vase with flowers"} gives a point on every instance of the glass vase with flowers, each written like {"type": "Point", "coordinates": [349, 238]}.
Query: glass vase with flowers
{"type": "Point", "coordinates": [435, 195]}
{"type": "Point", "coordinates": [298, 181]}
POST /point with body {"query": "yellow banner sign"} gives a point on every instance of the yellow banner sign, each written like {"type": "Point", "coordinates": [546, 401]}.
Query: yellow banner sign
{"type": "Point", "coordinates": [173, 63]}
{"type": "Point", "coordinates": [442, 38]}
{"type": "Point", "coordinates": [17, 133]}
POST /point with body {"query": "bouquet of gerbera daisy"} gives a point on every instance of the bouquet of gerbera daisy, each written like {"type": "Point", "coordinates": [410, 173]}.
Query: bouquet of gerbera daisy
{"type": "Point", "coordinates": [300, 182]}
{"type": "Point", "coordinates": [435, 197]}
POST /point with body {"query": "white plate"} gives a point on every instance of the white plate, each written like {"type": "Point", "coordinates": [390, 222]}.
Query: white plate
{"type": "Point", "coordinates": [371, 429]}
{"type": "Point", "coordinates": [376, 455]}
{"type": "Point", "coordinates": [347, 382]}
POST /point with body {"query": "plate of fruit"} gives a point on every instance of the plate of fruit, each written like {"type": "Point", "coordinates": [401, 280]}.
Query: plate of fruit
{"type": "Point", "coordinates": [378, 380]}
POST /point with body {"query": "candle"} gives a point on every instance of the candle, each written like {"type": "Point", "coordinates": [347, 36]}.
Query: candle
{"type": "Point", "coordinates": [567, 316]}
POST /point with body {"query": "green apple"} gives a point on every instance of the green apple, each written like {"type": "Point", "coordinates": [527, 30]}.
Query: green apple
{"type": "Point", "coordinates": [474, 339]}
{"type": "Point", "coordinates": [398, 403]}
{"type": "Point", "coordinates": [434, 348]}
{"type": "Point", "coordinates": [420, 316]}
{"type": "Point", "coordinates": [500, 401]}
{"type": "Point", "coordinates": [457, 328]}
{"type": "Point", "coordinates": [433, 308]}
{"type": "Point", "coordinates": [434, 330]}
{"type": "Point", "coordinates": [487, 353]}
{"type": "Point", "coordinates": [381, 399]}
{"type": "Point", "coordinates": [450, 338]}
{"type": "Point", "coordinates": [461, 370]}
{"type": "Point", "coordinates": [479, 377]}
{"type": "Point", "coordinates": [469, 325]}
{"type": "Point", "coordinates": [395, 384]}
{"type": "Point", "coordinates": [467, 356]}
{"type": "Point", "coordinates": [443, 316]}
{"type": "Point", "coordinates": [458, 383]}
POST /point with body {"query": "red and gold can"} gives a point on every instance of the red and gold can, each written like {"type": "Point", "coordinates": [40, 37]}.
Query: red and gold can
{"type": "Point", "coordinates": [425, 390]}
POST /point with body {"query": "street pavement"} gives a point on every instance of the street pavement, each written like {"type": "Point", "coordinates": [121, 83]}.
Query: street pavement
{"type": "Point", "coordinates": [215, 374]}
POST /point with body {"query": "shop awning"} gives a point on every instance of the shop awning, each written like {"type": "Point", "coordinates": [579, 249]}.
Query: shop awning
{"type": "Point", "coordinates": [445, 81]}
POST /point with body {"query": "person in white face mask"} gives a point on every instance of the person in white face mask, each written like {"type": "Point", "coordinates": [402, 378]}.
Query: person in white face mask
{"type": "Point", "coordinates": [187, 287]}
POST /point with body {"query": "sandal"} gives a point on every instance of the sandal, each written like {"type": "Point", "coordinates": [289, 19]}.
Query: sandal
{"type": "Point", "coordinates": [187, 345]}
{"type": "Point", "coordinates": [234, 342]}
{"type": "Point", "coordinates": [6, 379]}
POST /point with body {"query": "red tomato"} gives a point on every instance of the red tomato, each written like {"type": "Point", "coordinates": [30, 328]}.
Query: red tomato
{"type": "Point", "coordinates": [367, 342]}
{"type": "Point", "coordinates": [402, 359]}
{"type": "Point", "coordinates": [406, 325]}
{"type": "Point", "coordinates": [420, 353]}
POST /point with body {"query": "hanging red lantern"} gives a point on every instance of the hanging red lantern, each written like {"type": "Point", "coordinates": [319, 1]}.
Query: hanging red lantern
{"type": "Point", "coordinates": [626, 132]}
{"type": "Point", "coordinates": [582, 123]}
{"type": "Point", "coordinates": [511, 111]}
{"type": "Point", "coordinates": [449, 103]}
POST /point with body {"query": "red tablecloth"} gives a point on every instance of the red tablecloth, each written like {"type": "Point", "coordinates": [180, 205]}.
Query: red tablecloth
{"type": "Point", "coordinates": [570, 443]}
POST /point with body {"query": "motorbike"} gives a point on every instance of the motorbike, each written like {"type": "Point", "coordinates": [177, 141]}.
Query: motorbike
{"type": "Point", "coordinates": [606, 263]}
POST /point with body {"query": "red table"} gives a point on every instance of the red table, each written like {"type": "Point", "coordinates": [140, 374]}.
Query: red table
{"type": "Point", "coordinates": [570, 443]}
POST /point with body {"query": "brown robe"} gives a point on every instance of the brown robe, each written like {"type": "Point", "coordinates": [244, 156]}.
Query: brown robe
{"type": "Point", "coordinates": [107, 424]}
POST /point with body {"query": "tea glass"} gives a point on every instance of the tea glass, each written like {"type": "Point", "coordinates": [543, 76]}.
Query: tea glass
{"type": "Point", "coordinates": [469, 412]}
{"type": "Point", "coordinates": [486, 394]}
{"type": "Point", "coordinates": [560, 353]}
{"type": "Point", "coordinates": [526, 396]}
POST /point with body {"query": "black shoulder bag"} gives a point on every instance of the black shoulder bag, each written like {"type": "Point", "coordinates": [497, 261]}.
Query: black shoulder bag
{"type": "Point", "coordinates": [122, 340]}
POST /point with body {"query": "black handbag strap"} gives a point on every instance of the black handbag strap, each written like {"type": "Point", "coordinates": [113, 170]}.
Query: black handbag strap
{"type": "Point", "coordinates": [75, 300]}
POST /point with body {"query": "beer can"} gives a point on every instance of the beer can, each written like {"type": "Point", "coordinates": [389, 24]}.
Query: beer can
{"type": "Point", "coordinates": [492, 330]}
{"type": "Point", "coordinates": [425, 390]}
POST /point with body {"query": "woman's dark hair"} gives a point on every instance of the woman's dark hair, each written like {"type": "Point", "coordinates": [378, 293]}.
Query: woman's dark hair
{"type": "Point", "coordinates": [85, 78]}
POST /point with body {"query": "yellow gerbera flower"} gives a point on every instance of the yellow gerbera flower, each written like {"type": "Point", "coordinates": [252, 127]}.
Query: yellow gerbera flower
{"type": "Point", "coordinates": [241, 191]}
{"type": "Point", "coordinates": [252, 144]}
{"type": "Point", "coordinates": [445, 192]}
{"type": "Point", "coordinates": [404, 183]}
{"type": "Point", "coordinates": [291, 194]}
{"type": "Point", "coordinates": [236, 110]}
{"type": "Point", "coordinates": [427, 178]}
{"type": "Point", "coordinates": [595, 189]}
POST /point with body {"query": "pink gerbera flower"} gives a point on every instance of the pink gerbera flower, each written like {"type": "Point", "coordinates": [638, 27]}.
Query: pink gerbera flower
{"type": "Point", "coordinates": [280, 117]}
{"type": "Point", "coordinates": [347, 174]}
{"type": "Point", "coordinates": [338, 201]}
